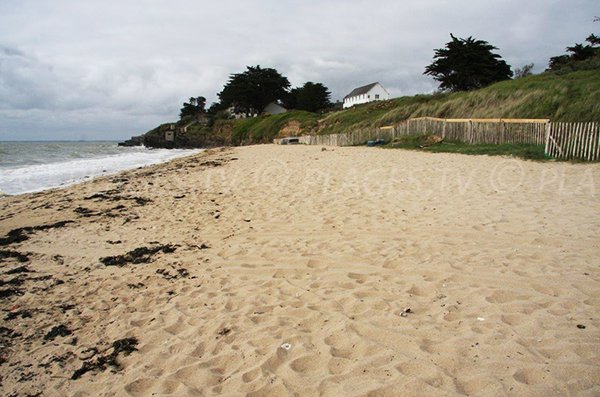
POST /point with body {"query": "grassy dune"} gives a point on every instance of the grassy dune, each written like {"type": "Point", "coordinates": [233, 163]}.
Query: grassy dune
{"type": "Point", "coordinates": [567, 97]}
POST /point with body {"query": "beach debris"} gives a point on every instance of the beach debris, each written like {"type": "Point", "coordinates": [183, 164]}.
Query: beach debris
{"type": "Point", "coordinates": [21, 234]}
{"type": "Point", "coordinates": [480, 319]}
{"type": "Point", "coordinates": [405, 312]}
{"type": "Point", "coordinates": [7, 337]}
{"type": "Point", "coordinates": [119, 180]}
{"type": "Point", "coordinates": [59, 330]}
{"type": "Point", "coordinates": [64, 307]}
{"type": "Point", "coordinates": [112, 242]}
{"type": "Point", "coordinates": [58, 359]}
{"type": "Point", "coordinates": [286, 346]}
{"type": "Point", "coordinates": [102, 362]}
{"type": "Point", "coordinates": [88, 353]}
{"type": "Point", "coordinates": [136, 286]}
{"type": "Point", "coordinates": [112, 195]}
{"type": "Point", "coordinates": [580, 326]}
{"type": "Point", "coordinates": [179, 196]}
{"type": "Point", "coordinates": [202, 246]}
{"type": "Point", "coordinates": [19, 270]}
{"type": "Point", "coordinates": [211, 163]}
{"type": "Point", "coordinates": [15, 281]}
{"type": "Point", "coordinates": [17, 313]}
{"type": "Point", "coordinates": [140, 200]}
{"type": "Point", "coordinates": [5, 254]}
{"type": "Point", "coordinates": [84, 212]}
{"type": "Point", "coordinates": [138, 255]}
{"type": "Point", "coordinates": [8, 292]}
{"type": "Point", "coordinates": [224, 331]}
{"type": "Point", "coordinates": [168, 276]}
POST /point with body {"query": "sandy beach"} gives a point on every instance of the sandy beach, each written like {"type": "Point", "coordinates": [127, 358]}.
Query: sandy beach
{"type": "Point", "coordinates": [301, 270]}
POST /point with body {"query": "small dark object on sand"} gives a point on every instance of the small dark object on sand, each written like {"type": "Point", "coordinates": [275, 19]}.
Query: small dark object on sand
{"type": "Point", "coordinates": [18, 270]}
{"type": "Point", "coordinates": [59, 330]}
{"type": "Point", "coordinates": [66, 307]}
{"type": "Point", "coordinates": [141, 200]}
{"type": "Point", "coordinates": [15, 282]}
{"type": "Point", "coordinates": [7, 337]}
{"type": "Point", "coordinates": [112, 195]}
{"type": "Point", "coordinates": [405, 312]}
{"type": "Point", "coordinates": [211, 163]}
{"type": "Point", "coordinates": [224, 331]}
{"type": "Point", "coordinates": [138, 255]}
{"type": "Point", "coordinates": [580, 326]}
{"type": "Point", "coordinates": [5, 254]}
{"type": "Point", "coordinates": [8, 292]}
{"type": "Point", "coordinates": [126, 346]}
{"type": "Point", "coordinates": [18, 313]}
{"type": "Point", "coordinates": [84, 212]}
{"type": "Point", "coordinates": [21, 234]}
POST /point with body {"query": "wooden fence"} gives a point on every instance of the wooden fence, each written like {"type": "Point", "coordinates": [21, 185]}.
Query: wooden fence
{"type": "Point", "coordinates": [561, 140]}
{"type": "Point", "coordinates": [574, 141]}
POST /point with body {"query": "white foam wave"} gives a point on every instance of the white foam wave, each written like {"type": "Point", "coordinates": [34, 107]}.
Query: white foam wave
{"type": "Point", "coordinates": [33, 178]}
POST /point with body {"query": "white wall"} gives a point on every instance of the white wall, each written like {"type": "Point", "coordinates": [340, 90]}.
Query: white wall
{"type": "Point", "coordinates": [377, 93]}
{"type": "Point", "coordinates": [274, 108]}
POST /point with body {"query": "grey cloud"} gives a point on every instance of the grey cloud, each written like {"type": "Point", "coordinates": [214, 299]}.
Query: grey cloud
{"type": "Point", "coordinates": [120, 67]}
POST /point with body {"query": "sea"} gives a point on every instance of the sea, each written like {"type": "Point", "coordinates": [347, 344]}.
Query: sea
{"type": "Point", "coordinates": [35, 166]}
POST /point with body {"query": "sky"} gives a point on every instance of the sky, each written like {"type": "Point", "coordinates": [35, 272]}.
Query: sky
{"type": "Point", "coordinates": [107, 70]}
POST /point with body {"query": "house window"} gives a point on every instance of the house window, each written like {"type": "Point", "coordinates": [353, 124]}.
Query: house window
{"type": "Point", "coordinates": [368, 96]}
{"type": "Point", "coordinates": [376, 96]}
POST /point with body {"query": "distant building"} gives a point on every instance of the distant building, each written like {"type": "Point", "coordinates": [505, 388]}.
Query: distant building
{"type": "Point", "coordinates": [367, 93]}
{"type": "Point", "coordinates": [236, 113]}
{"type": "Point", "coordinates": [274, 108]}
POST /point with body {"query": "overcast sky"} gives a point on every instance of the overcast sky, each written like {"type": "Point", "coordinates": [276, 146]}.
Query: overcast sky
{"type": "Point", "coordinates": [103, 69]}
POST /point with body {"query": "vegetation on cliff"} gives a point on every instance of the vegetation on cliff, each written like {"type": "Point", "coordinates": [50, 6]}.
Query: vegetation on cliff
{"type": "Point", "coordinates": [569, 90]}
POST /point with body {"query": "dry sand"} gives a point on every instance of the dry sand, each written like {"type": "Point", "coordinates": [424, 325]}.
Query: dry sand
{"type": "Point", "coordinates": [293, 272]}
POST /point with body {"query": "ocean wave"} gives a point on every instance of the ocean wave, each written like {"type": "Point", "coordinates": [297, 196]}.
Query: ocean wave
{"type": "Point", "coordinates": [37, 177]}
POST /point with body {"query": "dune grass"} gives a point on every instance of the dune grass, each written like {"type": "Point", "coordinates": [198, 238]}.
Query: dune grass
{"type": "Point", "coordinates": [263, 129]}
{"type": "Point", "coordinates": [559, 97]}
{"type": "Point", "coordinates": [567, 97]}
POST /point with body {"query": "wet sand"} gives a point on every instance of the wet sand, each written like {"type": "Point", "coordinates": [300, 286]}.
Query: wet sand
{"type": "Point", "coordinates": [274, 271]}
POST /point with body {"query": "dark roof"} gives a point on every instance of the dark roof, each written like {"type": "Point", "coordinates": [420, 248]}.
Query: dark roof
{"type": "Point", "coordinates": [361, 90]}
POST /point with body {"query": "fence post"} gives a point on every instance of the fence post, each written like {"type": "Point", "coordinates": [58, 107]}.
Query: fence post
{"type": "Point", "coordinates": [470, 131]}
{"type": "Point", "coordinates": [547, 146]}
{"type": "Point", "coordinates": [444, 129]}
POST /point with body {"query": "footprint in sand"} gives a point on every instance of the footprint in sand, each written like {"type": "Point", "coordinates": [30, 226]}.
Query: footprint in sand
{"type": "Point", "coordinates": [359, 278]}
{"type": "Point", "coordinates": [306, 363]}
{"type": "Point", "coordinates": [139, 387]}
{"type": "Point", "coordinates": [249, 376]}
{"type": "Point", "coordinates": [502, 296]}
{"type": "Point", "coordinates": [530, 376]}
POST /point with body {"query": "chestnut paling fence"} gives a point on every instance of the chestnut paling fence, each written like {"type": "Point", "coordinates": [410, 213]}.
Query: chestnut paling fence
{"type": "Point", "coordinates": [561, 140]}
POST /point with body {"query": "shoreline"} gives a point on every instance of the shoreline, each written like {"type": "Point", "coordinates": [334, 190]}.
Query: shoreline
{"type": "Point", "coordinates": [73, 168]}
{"type": "Point", "coordinates": [273, 270]}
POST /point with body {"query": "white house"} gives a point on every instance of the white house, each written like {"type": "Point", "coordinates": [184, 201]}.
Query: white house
{"type": "Point", "coordinates": [274, 108]}
{"type": "Point", "coordinates": [367, 93]}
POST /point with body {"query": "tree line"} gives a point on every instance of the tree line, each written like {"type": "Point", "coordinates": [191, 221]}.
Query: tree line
{"type": "Point", "coordinates": [463, 64]}
{"type": "Point", "coordinates": [251, 91]}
